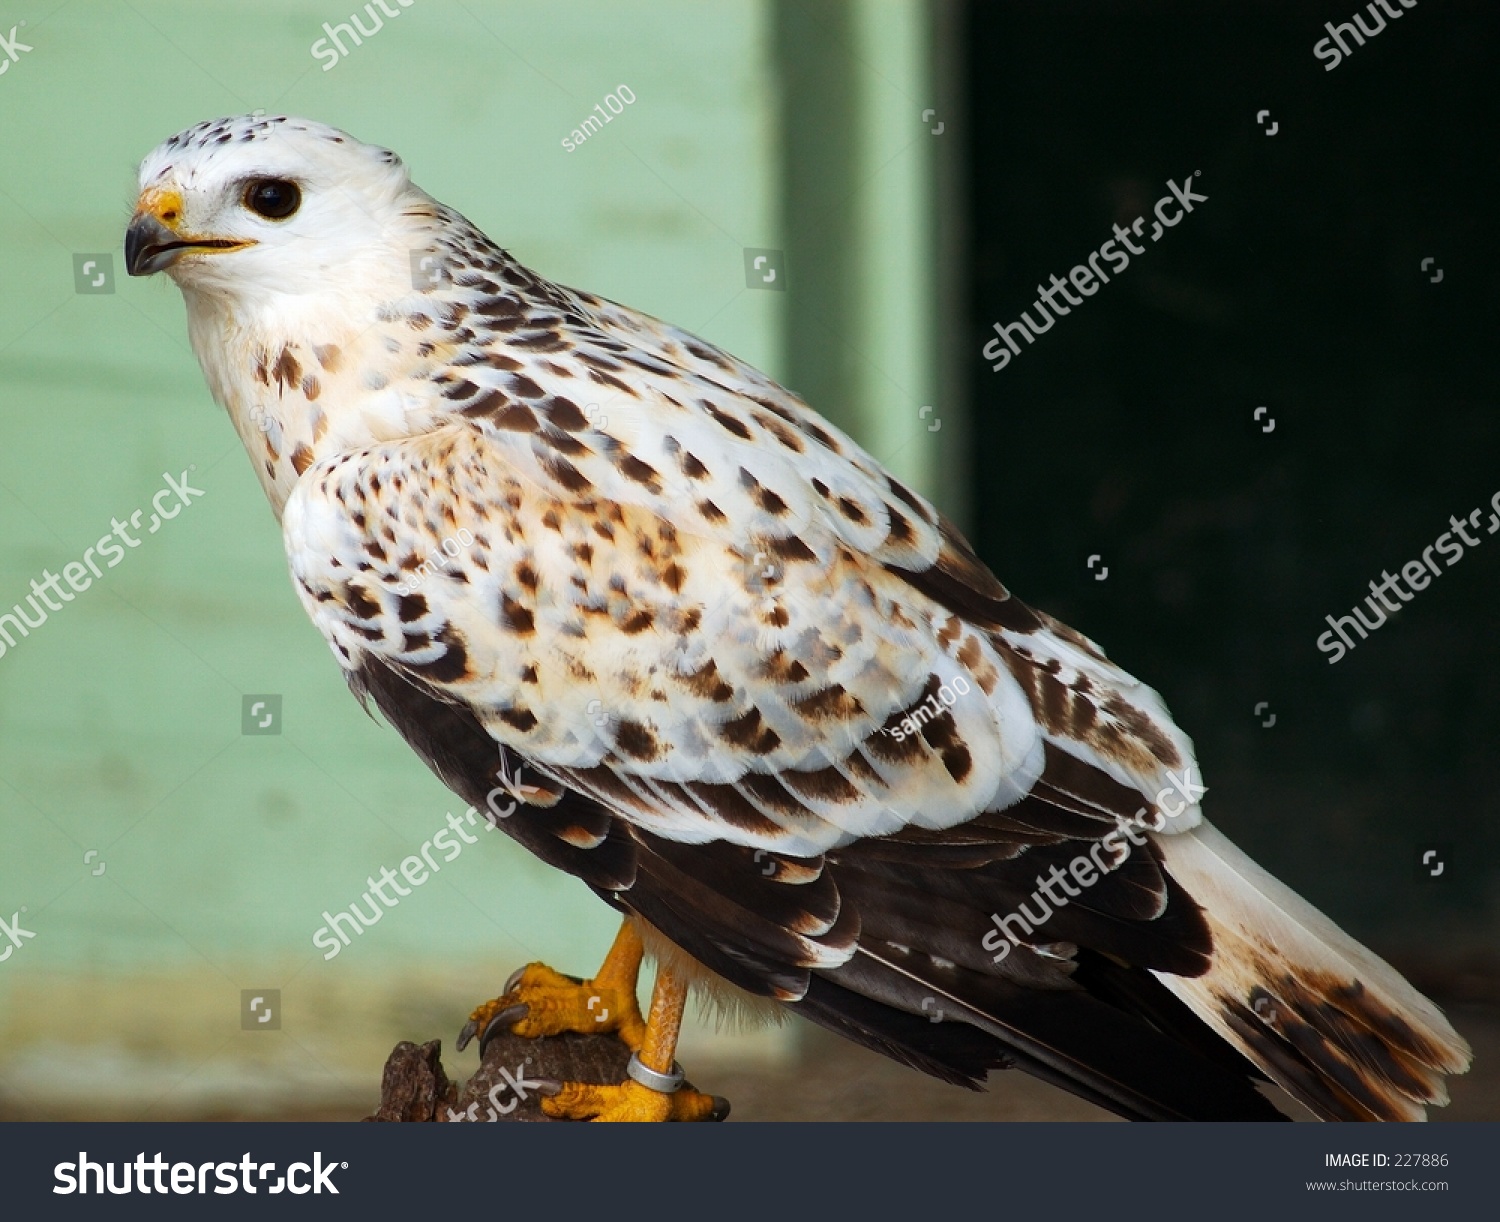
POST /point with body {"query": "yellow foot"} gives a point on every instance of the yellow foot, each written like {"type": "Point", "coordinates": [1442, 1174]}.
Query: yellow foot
{"type": "Point", "coordinates": [631, 1102]}
{"type": "Point", "coordinates": [539, 1002]}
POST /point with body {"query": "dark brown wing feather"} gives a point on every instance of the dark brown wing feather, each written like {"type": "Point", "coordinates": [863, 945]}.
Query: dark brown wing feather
{"type": "Point", "coordinates": [858, 939]}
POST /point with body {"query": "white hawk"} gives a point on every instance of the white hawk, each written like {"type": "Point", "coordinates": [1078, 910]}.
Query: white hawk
{"type": "Point", "coordinates": [754, 692]}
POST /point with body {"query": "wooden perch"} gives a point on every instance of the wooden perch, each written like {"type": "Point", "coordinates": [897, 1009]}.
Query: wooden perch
{"type": "Point", "coordinates": [415, 1088]}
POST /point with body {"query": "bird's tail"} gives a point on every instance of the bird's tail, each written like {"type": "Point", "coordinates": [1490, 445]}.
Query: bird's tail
{"type": "Point", "coordinates": [1334, 1025]}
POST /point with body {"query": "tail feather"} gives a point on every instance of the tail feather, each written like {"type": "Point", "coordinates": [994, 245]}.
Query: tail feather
{"type": "Point", "coordinates": [1063, 1036]}
{"type": "Point", "coordinates": [1330, 1022]}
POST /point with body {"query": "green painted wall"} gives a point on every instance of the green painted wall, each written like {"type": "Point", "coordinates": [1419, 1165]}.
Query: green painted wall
{"type": "Point", "coordinates": [120, 717]}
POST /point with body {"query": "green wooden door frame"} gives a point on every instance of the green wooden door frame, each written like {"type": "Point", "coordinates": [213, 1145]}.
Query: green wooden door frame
{"type": "Point", "coordinates": [870, 128]}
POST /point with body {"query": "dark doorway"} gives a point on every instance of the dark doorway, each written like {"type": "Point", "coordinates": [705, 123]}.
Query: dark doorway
{"type": "Point", "coordinates": [1306, 284]}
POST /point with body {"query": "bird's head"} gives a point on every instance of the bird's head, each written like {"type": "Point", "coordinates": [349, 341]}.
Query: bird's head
{"type": "Point", "coordinates": [269, 206]}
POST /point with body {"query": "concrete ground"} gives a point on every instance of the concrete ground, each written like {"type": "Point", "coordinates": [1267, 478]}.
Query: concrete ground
{"type": "Point", "coordinates": [832, 1079]}
{"type": "Point", "coordinates": [812, 1076]}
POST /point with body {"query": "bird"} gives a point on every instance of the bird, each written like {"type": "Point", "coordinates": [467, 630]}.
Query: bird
{"type": "Point", "coordinates": [685, 640]}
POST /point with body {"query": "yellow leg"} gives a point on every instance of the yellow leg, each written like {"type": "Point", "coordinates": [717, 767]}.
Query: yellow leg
{"type": "Point", "coordinates": [631, 1100]}
{"type": "Point", "coordinates": [539, 1002]}
{"type": "Point", "coordinates": [658, 1049]}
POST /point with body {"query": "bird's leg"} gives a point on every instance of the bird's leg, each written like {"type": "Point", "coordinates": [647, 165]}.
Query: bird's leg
{"type": "Point", "coordinates": [654, 1090]}
{"type": "Point", "coordinates": [539, 1002]}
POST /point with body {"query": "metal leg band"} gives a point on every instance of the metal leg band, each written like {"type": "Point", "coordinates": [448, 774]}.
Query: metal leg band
{"type": "Point", "coordinates": [665, 1083]}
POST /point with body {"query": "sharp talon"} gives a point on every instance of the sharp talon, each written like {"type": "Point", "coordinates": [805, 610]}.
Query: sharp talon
{"type": "Point", "coordinates": [550, 1087]}
{"type": "Point", "coordinates": [511, 1014]}
{"type": "Point", "coordinates": [506, 1018]}
{"type": "Point", "coordinates": [539, 1002]}
{"type": "Point", "coordinates": [721, 1108]}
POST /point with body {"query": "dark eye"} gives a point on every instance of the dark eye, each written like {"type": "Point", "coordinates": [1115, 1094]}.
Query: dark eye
{"type": "Point", "coordinates": [273, 198]}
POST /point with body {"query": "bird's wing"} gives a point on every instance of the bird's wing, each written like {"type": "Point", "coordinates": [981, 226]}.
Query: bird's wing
{"type": "Point", "coordinates": [680, 622]}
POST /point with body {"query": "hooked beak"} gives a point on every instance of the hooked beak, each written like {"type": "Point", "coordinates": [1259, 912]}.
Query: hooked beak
{"type": "Point", "coordinates": [153, 242]}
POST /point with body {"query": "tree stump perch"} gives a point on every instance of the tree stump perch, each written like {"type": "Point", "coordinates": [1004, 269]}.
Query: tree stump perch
{"type": "Point", "coordinates": [415, 1089]}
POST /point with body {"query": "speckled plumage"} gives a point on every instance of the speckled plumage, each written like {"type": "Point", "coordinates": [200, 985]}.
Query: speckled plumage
{"type": "Point", "coordinates": [556, 539]}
